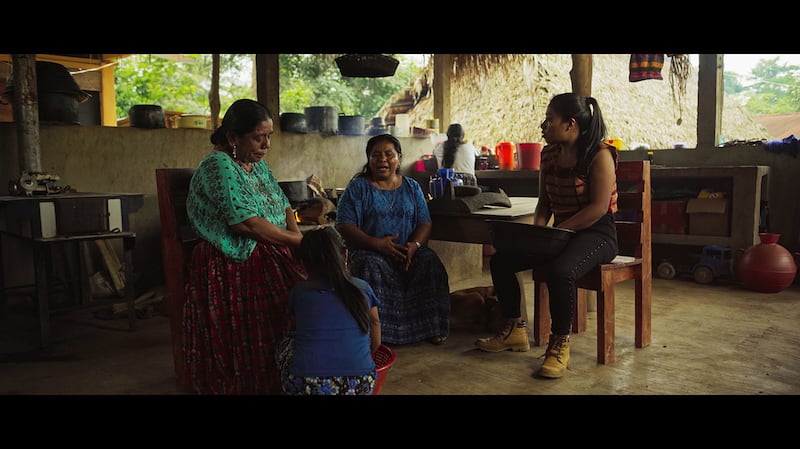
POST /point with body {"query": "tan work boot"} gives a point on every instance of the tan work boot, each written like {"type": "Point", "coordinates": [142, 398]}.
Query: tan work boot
{"type": "Point", "coordinates": [514, 336]}
{"type": "Point", "coordinates": [556, 357]}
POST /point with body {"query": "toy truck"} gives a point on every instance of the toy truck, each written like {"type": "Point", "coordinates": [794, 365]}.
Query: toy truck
{"type": "Point", "coordinates": [713, 262]}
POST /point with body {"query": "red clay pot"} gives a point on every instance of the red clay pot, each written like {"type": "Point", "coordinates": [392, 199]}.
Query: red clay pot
{"type": "Point", "coordinates": [767, 267]}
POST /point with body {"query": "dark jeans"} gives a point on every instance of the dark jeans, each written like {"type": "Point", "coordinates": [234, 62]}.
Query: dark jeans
{"type": "Point", "coordinates": [586, 249]}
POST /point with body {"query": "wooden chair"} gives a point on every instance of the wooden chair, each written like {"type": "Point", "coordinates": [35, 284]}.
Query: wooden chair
{"type": "Point", "coordinates": [634, 262]}
{"type": "Point", "coordinates": [177, 241]}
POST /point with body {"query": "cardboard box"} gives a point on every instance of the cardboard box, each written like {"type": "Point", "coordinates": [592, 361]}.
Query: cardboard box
{"type": "Point", "coordinates": [709, 216]}
{"type": "Point", "coordinates": [668, 217]}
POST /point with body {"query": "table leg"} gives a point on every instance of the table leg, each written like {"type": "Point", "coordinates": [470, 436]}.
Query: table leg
{"type": "Point", "coordinates": [130, 294]}
{"type": "Point", "coordinates": [3, 300]}
{"type": "Point", "coordinates": [40, 253]}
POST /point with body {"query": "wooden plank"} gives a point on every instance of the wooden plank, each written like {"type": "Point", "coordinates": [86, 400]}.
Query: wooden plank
{"type": "Point", "coordinates": [112, 265]}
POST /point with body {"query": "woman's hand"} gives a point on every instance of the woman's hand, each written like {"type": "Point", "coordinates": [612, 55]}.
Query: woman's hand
{"type": "Point", "coordinates": [388, 247]}
{"type": "Point", "coordinates": [411, 249]}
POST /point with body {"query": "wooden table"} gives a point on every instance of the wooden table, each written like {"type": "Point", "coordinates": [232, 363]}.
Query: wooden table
{"type": "Point", "coordinates": [35, 220]}
{"type": "Point", "coordinates": [472, 228]}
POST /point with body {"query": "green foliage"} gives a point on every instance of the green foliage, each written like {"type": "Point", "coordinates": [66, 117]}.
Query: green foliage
{"type": "Point", "coordinates": [778, 88]}
{"type": "Point", "coordinates": [180, 86]}
{"type": "Point", "coordinates": [305, 80]}
{"type": "Point", "coordinates": [775, 88]}
{"type": "Point", "coordinates": [314, 80]}
{"type": "Point", "coordinates": [732, 84]}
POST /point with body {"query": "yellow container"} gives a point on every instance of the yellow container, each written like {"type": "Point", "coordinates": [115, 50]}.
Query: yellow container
{"type": "Point", "coordinates": [433, 124]}
{"type": "Point", "coordinates": [616, 143]}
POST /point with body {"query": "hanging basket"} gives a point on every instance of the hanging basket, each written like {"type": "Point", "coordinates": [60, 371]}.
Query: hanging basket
{"type": "Point", "coordinates": [366, 65]}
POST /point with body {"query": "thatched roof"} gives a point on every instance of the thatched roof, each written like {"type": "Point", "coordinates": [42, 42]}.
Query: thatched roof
{"type": "Point", "coordinates": [504, 97]}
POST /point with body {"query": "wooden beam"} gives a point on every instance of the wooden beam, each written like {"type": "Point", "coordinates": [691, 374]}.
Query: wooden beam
{"type": "Point", "coordinates": [213, 93]}
{"type": "Point", "coordinates": [268, 84]}
{"type": "Point", "coordinates": [442, 74]}
{"type": "Point", "coordinates": [108, 97]}
{"type": "Point", "coordinates": [581, 74]}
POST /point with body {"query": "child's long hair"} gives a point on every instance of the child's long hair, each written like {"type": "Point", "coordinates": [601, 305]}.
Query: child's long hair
{"type": "Point", "coordinates": [323, 253]}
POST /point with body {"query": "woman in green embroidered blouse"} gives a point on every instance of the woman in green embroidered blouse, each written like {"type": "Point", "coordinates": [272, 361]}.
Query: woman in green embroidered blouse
{"type": "Point", "coordinates": [241, 271]}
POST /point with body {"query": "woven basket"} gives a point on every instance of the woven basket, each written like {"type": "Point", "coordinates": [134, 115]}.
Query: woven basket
{"type": "Point", "coordinates": [384, 359]}
{"type": "Point", "coordinates": [366, 65]}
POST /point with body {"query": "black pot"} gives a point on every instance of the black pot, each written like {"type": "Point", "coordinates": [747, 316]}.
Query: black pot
{"type": "Point", "coordinates": [322, 119]}
{"type": "Point", "coordinates": [147, 116]}
{"type": "Point", "coordinates": [297, 191]}
{"type": "Point", "coordinates": [294, 122]}
{"type": "Point", "coordinates": [58, 108]}
{"type": "Point", "coordinates": [351, 125]}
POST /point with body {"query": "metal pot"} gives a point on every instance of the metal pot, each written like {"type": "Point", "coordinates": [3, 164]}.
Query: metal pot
{"type": "Point", "coordinates": [351, 125]}
{"type": "Point", "coordinates": [322, 119]}
{"type": "Point", "coordinates": [60, 108]}
{"type": "Point", "coordinates": [293, 122]}
{"type": "Point", "coordinates": [192, 121]}
{"type": "Point", "coordinates": [147, 116]}
{"type": "Point", "coordinates": [296, 191]}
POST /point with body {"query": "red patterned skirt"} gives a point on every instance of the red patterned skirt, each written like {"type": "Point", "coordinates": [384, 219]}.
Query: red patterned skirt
{"type": "Point", "coordinates": [235, 316]}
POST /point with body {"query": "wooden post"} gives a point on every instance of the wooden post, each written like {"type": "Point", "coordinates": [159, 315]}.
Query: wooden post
{"type": "Point", "coordinates": [581, 74]}
{"type": "Point", "coordinates": [26, 113]}
{"type": "Point", "coordinates": [442, 74]}
{"type": "Point", "coordinates": [268, 84]}
{"type": "Point", "coordinates": [213, 93]}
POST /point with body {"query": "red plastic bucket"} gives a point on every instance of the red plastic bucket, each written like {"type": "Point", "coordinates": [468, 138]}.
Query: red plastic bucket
{"type": "Point", "coordinates": [384, 359]}
{"type": "Point", "coordinates": [530, 155]}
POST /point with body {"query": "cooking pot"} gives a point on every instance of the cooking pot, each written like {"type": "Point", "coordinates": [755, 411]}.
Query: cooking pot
{"type": "Point", "coordinates": [147, 116]}
{"type": "Point", "coordinates": [351, 125]}
{"type": "Point", "coordinates": [52, 78]}
{"type": "Point", "coordinates": [322, 119]}
{"type": "Point", "coordinates": [58, 108]}
{"type": "Point", "coordinates": [296, 191]}
{"type": "Point", "coordinates": [192, 121]}
{"type": "Point", "coordinates": [293, 122]}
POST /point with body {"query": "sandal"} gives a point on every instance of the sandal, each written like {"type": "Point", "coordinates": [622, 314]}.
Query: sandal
{"type": "Point", "coordinates": [437, 340]}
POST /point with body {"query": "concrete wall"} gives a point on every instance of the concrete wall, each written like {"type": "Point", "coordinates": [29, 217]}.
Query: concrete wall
{"type": "Point", "coordinates": [108, 159]}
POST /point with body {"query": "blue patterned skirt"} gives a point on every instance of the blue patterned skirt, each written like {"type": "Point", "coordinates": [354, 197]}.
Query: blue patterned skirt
{"type": "Point", "coordinates": [415, 305]}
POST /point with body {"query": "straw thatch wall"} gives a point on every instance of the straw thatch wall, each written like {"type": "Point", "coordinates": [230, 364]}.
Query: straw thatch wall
{"type": "Point", "coordinates": [504, 97]}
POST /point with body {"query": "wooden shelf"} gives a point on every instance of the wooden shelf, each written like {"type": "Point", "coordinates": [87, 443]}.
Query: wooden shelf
{"type": "Point", "coordinates": [686, 239]}
{"type": "Point", "coordinates": [749, 187]}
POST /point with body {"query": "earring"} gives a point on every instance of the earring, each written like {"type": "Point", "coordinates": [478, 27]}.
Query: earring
{"type": "Point", "coordinates": [235, 156]}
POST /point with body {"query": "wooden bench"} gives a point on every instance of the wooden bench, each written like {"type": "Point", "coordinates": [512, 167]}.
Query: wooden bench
{"type": "Point", "coordinates": [634, 262]}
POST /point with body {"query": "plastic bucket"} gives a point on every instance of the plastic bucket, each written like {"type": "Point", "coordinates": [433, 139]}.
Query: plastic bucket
{"type": "Point", "coordinates": [402, 125]}
{"type": "Point", "coordinates": [384, 359]}
{"type": "Point", "coordinates": [530, 155]}
{"type": "Point", "coordinates": [505, 155]}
